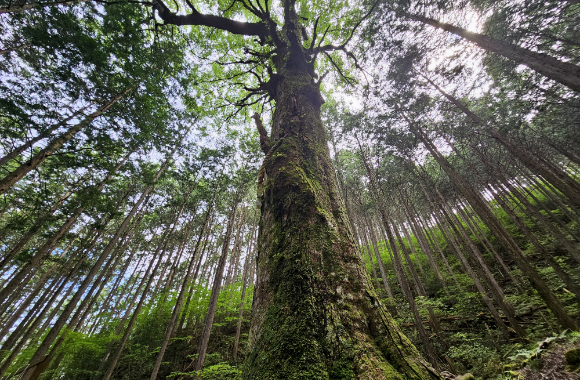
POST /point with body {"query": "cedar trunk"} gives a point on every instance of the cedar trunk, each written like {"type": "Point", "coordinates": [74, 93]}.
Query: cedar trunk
{"type": "Point", "coordinates": [315, 314]}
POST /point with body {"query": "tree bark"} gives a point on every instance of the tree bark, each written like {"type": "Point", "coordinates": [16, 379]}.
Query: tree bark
{"type": "Point", "coordinates": [315, 314]}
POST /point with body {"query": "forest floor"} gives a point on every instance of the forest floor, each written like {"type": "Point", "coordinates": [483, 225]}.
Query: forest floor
{"type": "Point", "coordinates": [552, 365]}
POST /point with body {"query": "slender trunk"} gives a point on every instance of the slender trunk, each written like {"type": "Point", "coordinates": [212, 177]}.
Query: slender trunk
{"type": "Point", "coordinates": [215, 291]}
{"type": "Point", "coordinates": [25, 7]}
{"type": "Point", "coordinates": [248, 262]}
{"type": "Point", "coordinates": [146, 281]}
{"type": "Point", "coordinates": [234, 257]}
{"type": "Point", "coordinates": [565, 73]}
{"type": "Point", "coordinates": [443, 219]}
{"type": "Point", "coordinates": [55, 144]}
{"type": "Point", "coordinates": [517, 196]}
{"type": "Point", "coordinates": [38, 366]}
{"type": "Point", "coordinates": [379, 259]}
{"type": "Point", "coordinates": [475, 229]}
{"type": "Point", "coordinates": [549, 212]}
{"type": "Point", "coordinates": [177, 308]}
{"type": "Point", "coordinates": [19, 314]}
{"type": "Point", "coordinates": [115, 288]}
{"type": "Point", "coordinates": [193, 281]}
{"type": "Point", "coordinates": [39, 256]}
{"type": "Point", "coordinates": [345, 196]}
{"type": "Point", "coordinates": [420, 289]}
{"type": "Point", "coordinates": [36, 227]}
{"type": "Point", "coordinates": [566, 279]}
{"type": "Point", "coordinates": [29, 144]}
{"type": "Point", "coordinates": [412, 248]}
{"type": "Point", "coordinates": [434, 242]}
{"type": "Point", "coordinates": [389, 228]}
{"type": "Point", "coordinates": [12, 344]}
{"type": "Point", "coordinates": [425, 247]}
{"type": "Point", "coordinates": [476, 255]}
{"type": "Point", "coordinates": [14, 48]}
{"type": "Point", "coordinates": [367, 247]}
{"type": "Point", "coordinates": [557, 177]}
{"type": "Point", "coordinates": [94, 293]}
{"type": "Point", "coordinates": [481, 208]}
{"type": "Point", "coordinates": [39, 358]}
{"type": "Point", "coordinates": [83, 256]}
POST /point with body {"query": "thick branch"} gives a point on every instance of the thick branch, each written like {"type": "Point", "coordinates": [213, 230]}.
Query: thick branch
{"type": "Point", "coordinates": [264, 139]}
{"type": "Point", "coordinates": [217, 22]}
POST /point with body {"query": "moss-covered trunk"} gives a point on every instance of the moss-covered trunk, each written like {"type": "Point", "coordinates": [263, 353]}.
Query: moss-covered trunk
{"type": "Point", "coordinates": [315, 314]}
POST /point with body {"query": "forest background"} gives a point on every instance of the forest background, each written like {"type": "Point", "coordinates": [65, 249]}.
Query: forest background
{"type": "Point", "coordinates": [131, 150]}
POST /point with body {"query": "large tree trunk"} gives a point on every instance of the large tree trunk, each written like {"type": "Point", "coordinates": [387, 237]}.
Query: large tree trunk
{"type": "Point", "coordinates": [565, 73]}
{"type": "Point", "coordinates": [315, 314]}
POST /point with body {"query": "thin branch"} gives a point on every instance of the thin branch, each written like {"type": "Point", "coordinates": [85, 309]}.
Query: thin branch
{"type": "Point", "coordinates": [314, 34]}
{"type": "Point", "coordinates": [331, 47]}
{"type": "Point", "coordinates": [347, 79]}
{"type": "Point", "coordinates": [250, 7]}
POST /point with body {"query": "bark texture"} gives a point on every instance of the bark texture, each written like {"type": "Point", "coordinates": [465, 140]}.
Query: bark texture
{"type": "Point", "coordinates": [315, 314]}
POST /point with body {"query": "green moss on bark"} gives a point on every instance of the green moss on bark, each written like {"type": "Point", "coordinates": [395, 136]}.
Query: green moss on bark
{"type": "Point", "coordinates": [315, 314]}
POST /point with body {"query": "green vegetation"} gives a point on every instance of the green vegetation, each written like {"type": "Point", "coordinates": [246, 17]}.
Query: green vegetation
{"type": "Point", "coordinates": [255, 189]}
